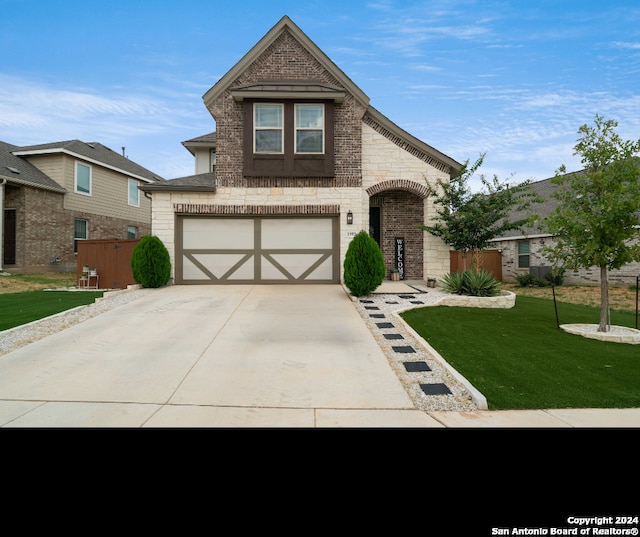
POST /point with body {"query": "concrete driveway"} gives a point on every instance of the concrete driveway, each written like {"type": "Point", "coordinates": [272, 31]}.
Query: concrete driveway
{"type": "Point", "coordinates": [210, 356]}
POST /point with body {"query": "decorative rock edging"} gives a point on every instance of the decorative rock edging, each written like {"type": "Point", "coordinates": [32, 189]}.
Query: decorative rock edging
{"type": "Point", "coordinates": [616, 334]}
{"type": "Point", "coordinates": [505, 300]}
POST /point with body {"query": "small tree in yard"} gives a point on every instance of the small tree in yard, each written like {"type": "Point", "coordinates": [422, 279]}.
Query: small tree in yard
{"type": "Point", "coordinates": [364, 267]}
{"type": "Point", "coordinates": [150, 262]}
{"type": "Point", "coordinates": [468, 221]}
{"type": "Point", "coordinates": [596, 224]}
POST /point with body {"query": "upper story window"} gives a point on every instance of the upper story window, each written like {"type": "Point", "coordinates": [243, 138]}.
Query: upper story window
{"type": "Point", "coordinates": [82, 182]}
{"type": "Point", "coordinates": [288, 138]}
{"type": "Point", "coordinates": [309, 128]}
{"type": "Point", "coordinates": [523, 254]}
{"type": "Point", "coordinates": [134, 193]}
{"type": "Point", "coordinates": [213, 161]}
{"type": "Point", "coordinates": [268, 128]}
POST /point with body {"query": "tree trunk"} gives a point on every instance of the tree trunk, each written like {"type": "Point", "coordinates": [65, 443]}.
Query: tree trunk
{"type": "Point", "coordinates": [604, 300]}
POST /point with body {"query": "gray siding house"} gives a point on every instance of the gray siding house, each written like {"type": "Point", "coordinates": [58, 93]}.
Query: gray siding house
{"type": "Point", "coordinates": [54, 195]}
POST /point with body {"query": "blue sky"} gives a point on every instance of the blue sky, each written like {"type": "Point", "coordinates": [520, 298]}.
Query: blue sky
{"type": "Point", "coordinates": [514, 79]}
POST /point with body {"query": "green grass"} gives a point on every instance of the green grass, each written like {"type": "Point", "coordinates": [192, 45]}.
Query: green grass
{"type": "Point", "coordinates": [20, 308]}
{"type": "Point", "coordinates": [519, 359]}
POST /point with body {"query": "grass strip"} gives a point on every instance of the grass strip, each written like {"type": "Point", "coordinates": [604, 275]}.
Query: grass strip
{"type": "Point", "coordinates": [17, 309]}
{"type": "Point", "coordinates": [519, 359]}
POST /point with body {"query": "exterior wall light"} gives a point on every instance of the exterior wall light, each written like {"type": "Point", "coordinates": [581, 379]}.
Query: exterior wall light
{"type": "Point", "coordinates": [349, 218]}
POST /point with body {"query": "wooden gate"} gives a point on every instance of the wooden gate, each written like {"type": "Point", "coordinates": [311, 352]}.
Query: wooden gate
{"type": "Point", "coordinates": [111, 258]}
{"type": "Point", "coordinates": [489, 260]}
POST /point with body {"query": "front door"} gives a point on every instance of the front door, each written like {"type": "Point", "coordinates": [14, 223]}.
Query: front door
{"type": "Point", "coordinates": [374, 224]}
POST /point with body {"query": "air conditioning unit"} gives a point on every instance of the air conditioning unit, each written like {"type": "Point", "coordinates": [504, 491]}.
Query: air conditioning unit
{"type": "Point", "coordinates": [539, 272]}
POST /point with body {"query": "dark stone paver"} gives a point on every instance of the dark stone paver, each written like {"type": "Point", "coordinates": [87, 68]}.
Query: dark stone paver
{"type": "Point", "coordinates": [415, 367]}
{"type": "Point", "coordinates": [435, 389]}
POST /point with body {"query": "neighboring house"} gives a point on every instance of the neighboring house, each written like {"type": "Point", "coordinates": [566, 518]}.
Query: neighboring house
{"type": "Point", "coordinates": [299, 163]}
{"type": "Point", "coordinates": [54, 195]}
{"type": "Point", "coordinates": [521, 250]}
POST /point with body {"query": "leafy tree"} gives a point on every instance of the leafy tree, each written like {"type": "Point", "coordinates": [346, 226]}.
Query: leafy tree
{"type": "Point", "coordinates": [150, 262]}
{"type": "Point", "coordinates": [469, 220]}
{"type": "Point", "coordinates": [597, 220]}
{"type": "Point", "coordinates": [364, 267]}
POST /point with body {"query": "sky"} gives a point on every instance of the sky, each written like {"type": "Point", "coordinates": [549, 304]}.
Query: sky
{"type": "Point", "coordinates": [511, 79]}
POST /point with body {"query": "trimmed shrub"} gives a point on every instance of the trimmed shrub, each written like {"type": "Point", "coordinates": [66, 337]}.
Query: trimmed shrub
{"type": "Point", "coordinates": [364, 267]}
{"type": "Point", "coordinates": [150, 262]}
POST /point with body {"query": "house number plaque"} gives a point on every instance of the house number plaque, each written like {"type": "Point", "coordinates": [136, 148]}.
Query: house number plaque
{"type": "Point", "coordinates": [400, 256]}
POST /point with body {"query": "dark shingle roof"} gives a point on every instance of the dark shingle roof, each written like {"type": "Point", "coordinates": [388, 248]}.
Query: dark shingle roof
{"type": "Point", "coordinates": [203, 182]}
{"type": "Point", "coordinates": [94, 151]}
{"type": "Point", "coordinates": [20, 171]}
{"type": "Point", "coordinates": [204, 141]}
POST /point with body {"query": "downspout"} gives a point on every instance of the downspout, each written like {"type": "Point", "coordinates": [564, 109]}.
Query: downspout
{"type": "Point", "coordinates": [2, 183]}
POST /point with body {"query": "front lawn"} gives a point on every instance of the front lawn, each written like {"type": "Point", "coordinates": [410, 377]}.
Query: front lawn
{"type": "Point", "coordinates": [519, 359]}
{"type": "Point", "coordinates": [20, 308]}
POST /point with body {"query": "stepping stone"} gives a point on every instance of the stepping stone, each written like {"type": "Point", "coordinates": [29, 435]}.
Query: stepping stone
{"type": "Point", "coordinates": [393, 336]}
{"type": "Point", "coordinates": [414, 367]}
{"type": "Point", "coordinates": [384, 325]}
{"type": "Point", "coordinates": [406, 296]}
{"type": "Point", "coordinates": [405, 349]}
{"type": "Point", "coordinates": [371, 308]}
{"type": "Point", "coordinates": [417, 302]}
{"type": "Point", "coordinates": [391, 302]}
{"type": "Point", "coordinates": [366, 301]}
{"type": "Point", "coordinates": [376, 315]}
{"type": "Point", "coordinates": [435, 389]}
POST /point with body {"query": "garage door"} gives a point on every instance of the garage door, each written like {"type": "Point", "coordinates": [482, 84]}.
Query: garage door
{"type": "Point", "coordinates": [224, 250]}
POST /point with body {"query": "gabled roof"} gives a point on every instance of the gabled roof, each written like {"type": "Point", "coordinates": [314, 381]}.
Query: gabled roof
{"type": "Point", "coordinates": [206, 141]}
{"type": "Point", "coordinates": [285, 24]}
{"type": "Point", "coordinates": [93, 152]}
{"type": "Point", "coordinates": [20, 171]}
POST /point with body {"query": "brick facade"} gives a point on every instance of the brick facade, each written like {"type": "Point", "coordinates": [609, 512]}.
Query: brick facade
{"type": "Point", "coordinates": [623, 277]}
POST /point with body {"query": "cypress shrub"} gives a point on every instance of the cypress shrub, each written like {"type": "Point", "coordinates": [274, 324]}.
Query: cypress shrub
{"type": "Point", "coordinates": [150, 262]}
{"type": "Point", "coordinates": [364, 267]}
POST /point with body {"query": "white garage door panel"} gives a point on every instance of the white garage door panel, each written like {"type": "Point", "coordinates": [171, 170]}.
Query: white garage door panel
{"type": "Point", "coordinates": [217, 233]}
{"type": "Point", "coordinates": [294, 264]}
{"type": "Point", "coordinates": [288, 250]}
{"type": "Point", "coordinates": [297, 233]}
{"type": "Point", "coordinates": [204, 266]}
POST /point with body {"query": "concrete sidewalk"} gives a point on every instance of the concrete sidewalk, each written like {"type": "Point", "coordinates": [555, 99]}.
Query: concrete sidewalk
{"type": "Point", "coordinates": [232, 356]}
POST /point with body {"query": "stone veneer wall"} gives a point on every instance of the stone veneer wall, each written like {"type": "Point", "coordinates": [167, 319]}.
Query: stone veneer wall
{"type": "Point", "coordinates": [384, 162]}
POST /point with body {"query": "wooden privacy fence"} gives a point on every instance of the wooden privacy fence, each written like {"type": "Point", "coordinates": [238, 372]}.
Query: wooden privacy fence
{"type": "Point", "coordinates": [111, 258]}
{"type": "Point", "coordinates": [489, 260]}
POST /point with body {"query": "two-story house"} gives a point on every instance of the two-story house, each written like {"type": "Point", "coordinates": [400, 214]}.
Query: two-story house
{"type": "Point", "coordinates": [298, 164]}
{"type": "Point", "coordinates": [54, 195]}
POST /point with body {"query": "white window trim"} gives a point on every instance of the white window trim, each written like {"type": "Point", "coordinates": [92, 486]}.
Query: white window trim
{"type": "Point", "coordinates": [296, 129]}
{"type": "Point", "coordinates": [256, 128]}
{"type": "Point", "coordinates": [135, 203]}
{"type": "Point", "coordinates": [75, 179]}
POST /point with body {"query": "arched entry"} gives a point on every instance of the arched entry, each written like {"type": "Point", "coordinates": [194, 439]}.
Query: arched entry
{"type": "Point", "coordinates": [396, 208]}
